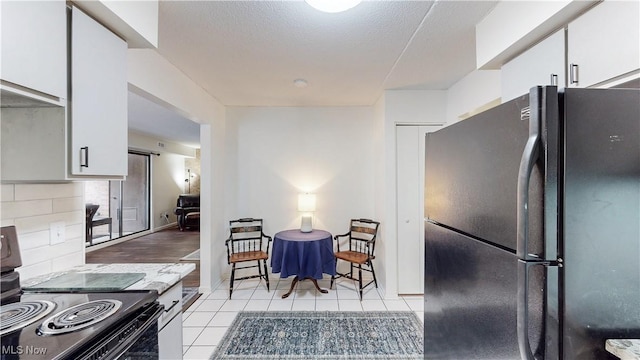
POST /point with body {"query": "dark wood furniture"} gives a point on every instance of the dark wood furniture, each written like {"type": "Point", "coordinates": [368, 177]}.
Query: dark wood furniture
{"type": "Point", "coordinates": [361, 246]}
{"type": "Point", "coordinates": [91, 221]}
{"type": "Point", "coordinates": [187, 211]}
{"type": "Point", "coordinates": [246, 244]}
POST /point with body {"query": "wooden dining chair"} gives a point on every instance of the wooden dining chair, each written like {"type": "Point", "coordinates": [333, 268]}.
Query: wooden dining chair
{"type": "Point", "coordinates": [361, 247]}
{"type": "Point", "coordinates": [246, 244]}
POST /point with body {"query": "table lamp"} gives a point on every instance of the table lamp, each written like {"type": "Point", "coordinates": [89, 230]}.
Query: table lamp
{"type": "Point", "coordinates": [306, 205]}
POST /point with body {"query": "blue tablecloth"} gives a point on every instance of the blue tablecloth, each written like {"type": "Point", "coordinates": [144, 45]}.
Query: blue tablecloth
{"type": "Point", "coordinates": [303, 254]}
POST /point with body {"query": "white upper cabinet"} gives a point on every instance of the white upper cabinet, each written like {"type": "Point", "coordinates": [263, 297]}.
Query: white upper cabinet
{"type": "Point", "coordinates": [98, 99]}
{"type": "Point", "coordinates": [34, 46]}
{"type": "Point", "coordinates": [84, 134]}
{"type": "Point", "coordinates": [604, 43]}
{"type": "Point", "coordinates": [543, 64]}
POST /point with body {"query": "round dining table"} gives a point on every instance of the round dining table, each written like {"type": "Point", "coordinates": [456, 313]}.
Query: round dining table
{"type": "Point", "coordinates": [307, 255]}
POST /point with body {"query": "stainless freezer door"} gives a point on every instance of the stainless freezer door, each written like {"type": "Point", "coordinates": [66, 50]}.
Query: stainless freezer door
{"type": "Point", "coordinates": [471, 176]}
{"type": "Point", "coordinates": [470, 307]}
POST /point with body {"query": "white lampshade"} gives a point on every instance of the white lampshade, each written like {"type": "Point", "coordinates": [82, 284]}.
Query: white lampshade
{"type": "Point", "coordinates": [333, 6]}
{"type": "Point", "coordinates": [306, 205]}
{"type": "Point", "coordinates": [307, 202]}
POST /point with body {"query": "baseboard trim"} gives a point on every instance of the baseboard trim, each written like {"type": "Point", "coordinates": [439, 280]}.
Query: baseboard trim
{"type": "Point", "coordinates": [164, 227]}
{"type": "Point", "coordinates": [206, 289]}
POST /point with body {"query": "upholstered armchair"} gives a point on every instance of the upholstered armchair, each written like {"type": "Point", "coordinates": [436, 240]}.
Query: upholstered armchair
{"type": "Point", "coordinates": [188, 211]}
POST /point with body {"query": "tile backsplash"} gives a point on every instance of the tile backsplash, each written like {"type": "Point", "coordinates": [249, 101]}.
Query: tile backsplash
{"type": "Point", "coordinates": [32, 208]}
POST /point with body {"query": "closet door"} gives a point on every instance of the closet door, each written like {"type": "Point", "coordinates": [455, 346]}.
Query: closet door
{"type": "Point", "coordinates": [410, 147]}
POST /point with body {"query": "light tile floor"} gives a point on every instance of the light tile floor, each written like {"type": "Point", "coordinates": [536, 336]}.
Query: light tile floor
{"type": "Point", "coordinates": [207, 320]}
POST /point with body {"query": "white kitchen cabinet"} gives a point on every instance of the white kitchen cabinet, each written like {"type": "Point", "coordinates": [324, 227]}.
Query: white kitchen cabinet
{"type": "Point", "coordinates": [543, 64]}
{"type": "Point", "coordinates": [604, 44]}
{"type": "Point", "coordinates": [50, 139]}
{"type": "Point", "coordinates": [98, 99]}
{"type": "Point", "coordinates": [410, 156]}
{"type": "Point", "coordinates": [34, 46]}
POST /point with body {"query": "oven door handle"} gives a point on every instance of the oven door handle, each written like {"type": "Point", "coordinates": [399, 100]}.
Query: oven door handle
{"type": "Point", "coordinates": [151, 315]}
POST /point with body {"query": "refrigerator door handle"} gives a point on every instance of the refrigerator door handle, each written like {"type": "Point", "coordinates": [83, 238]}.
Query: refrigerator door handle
{"type": "Point", "coordinates": [523, 310]}
{"type": "Point", "coordinates": [523, 304]}
{"type": "Point", "coordinates": [528, 160]}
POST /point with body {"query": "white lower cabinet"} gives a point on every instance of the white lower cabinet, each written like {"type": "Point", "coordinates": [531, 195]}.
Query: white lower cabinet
{"type": "Point", "coordinates": [170, 324]}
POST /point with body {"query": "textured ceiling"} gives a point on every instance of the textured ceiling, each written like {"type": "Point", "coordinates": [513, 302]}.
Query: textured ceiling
{"type": "Point", "coordinates": [248, 53]}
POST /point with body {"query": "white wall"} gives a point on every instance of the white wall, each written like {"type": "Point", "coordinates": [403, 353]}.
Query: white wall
{"type": "Point", "coordinates": [135, 21]}
{"type": "Point", "coordinates": [231, 170]}
{"type": "Point", "coordinates": [167, 183]}
{"type": "Point", "coordinates": [284, 151]}
{"type": "Point", "coordinates": [167, 176]}
{"type": "Point", "coordinates": [415, 106]}
{"type": "Point", "coordinates": [214, 186]}
{"type": "Point", "coordinates": [32, 208]}
{"type": "Point", "coordinates": [380, 190]}
{"type": "Point", "coordinates": [138, 141]}
{"type": "Point", "coordinates": [473, 91]}
{"type": "Point", "coordinates": [153, 77]}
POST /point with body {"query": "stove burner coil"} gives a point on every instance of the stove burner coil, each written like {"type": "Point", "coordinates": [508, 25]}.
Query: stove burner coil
{"type": "Point", "coordinates": [79, 317]}
{"type": "Point", "coordinates": [18, 315]}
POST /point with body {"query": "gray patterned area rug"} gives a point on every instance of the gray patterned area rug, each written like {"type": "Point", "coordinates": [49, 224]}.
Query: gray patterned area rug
{"type": "Point", "coordinates": [322, 335]}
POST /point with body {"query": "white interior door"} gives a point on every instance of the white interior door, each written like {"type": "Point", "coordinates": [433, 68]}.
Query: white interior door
{"type": "Point", "coordinates": [410, 145]}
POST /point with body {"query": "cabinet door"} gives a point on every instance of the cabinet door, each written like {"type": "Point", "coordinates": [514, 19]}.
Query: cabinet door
{"type": "Point", "coordinates": [539, 65]}
{"type": "Point", "coordinates": [604, 43]}
{"type": "Point", "coordinates": [34, 45]}
{"type": "Point", "coordinates": [410, 144]}
{"type": "Point", "coordinates": [98, 99]}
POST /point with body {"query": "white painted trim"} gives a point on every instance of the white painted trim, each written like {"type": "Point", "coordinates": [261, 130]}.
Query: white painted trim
{"type": "Point", "coordinates": [164, 227]}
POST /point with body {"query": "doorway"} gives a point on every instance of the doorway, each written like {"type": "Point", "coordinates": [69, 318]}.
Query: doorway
{"type": "Point", "coordinates": [126, 202]}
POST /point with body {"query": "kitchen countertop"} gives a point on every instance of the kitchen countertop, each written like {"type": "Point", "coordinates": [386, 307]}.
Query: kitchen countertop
{"type": "Point", "coordinates": [625, 349]}
{"type": "Point", "coordinates": [158, 276]}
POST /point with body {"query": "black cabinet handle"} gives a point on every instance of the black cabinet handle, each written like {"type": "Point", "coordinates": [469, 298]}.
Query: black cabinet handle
{"type": "Point", "coordinates": [175, 302]}
{"type": "Point", "coordinates": [85, 149]}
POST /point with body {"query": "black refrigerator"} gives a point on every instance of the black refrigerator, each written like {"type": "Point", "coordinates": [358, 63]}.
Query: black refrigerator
{"type": "Point", "coordinates": [532, 228]}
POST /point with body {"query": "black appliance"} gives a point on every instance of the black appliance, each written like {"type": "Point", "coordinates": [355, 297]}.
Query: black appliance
{"type": "Point", "coordinates": [74, 324]}
{"type": "Point", "coordinates": [532, 229]}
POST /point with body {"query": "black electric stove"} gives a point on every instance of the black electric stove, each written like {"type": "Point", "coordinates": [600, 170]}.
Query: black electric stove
{"type": "Point", "coordinates": [74, 325]}
{"type": "Point", "coordinates": [77, 326]}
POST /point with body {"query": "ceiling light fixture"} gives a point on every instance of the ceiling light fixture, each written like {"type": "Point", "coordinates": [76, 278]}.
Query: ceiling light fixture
{"type": "Point", "coordinates": [333, 6]}
{"type": "Point", "coordinates": [300, 83]}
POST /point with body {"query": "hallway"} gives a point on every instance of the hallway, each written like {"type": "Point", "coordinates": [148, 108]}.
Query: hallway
{"type": "Point", "coordinates": [166, 246]}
